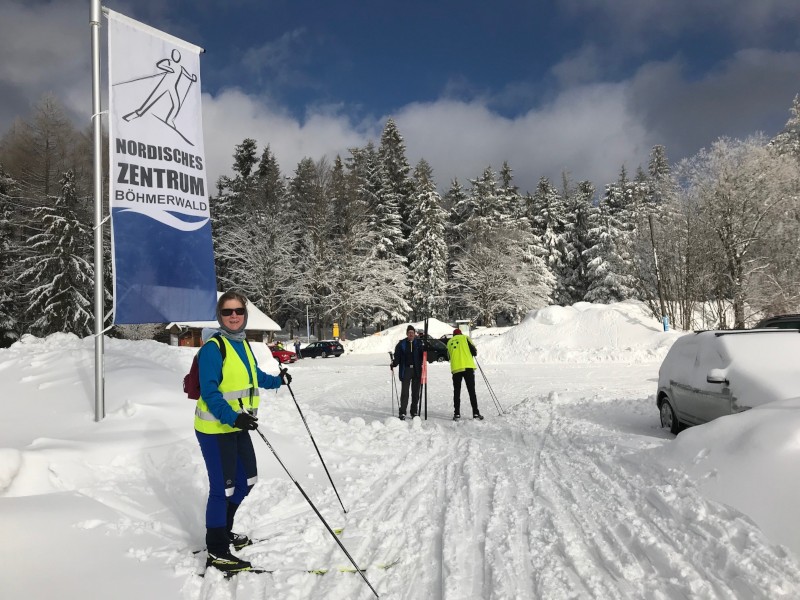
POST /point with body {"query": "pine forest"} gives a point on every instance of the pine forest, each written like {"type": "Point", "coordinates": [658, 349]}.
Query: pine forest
{"type": "Point", "coordinates": [368, 240]}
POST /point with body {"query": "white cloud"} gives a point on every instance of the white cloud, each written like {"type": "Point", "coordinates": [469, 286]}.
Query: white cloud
{"type": "Point", "coordinates": [232, 116]}
{"type": "Point", "coordinates": [588, 131]}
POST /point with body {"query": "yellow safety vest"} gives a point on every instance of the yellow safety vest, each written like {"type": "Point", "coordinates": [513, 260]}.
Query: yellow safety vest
{"type": "Point", "coordinates": [460, 355]}
{"type": "Point", "coordinates": [235, 387]}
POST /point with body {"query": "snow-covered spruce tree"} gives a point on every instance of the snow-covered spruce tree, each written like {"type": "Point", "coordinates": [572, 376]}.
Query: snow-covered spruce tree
{"type": "Point", "coordinates": [512, 205]}
{"type": "Point", "coordinates": [348, 222]}
{"type": "Point", "coordinates": [364, 169]}
{"type": "Point", "coordinates": [269, 195]}
{"type": "Point", "coordinates": [455, 202]}
{"type": "Point", "coordinates": [578, 240]}
{"type": "Point", "coordinates": [428, 248]}
{"type": "Point", "coordinates": [482, 207]}
{"type": "Point", "coordinates": [609, 255]}
{"type": "Point", "coordinates": [547, 215]}
{"type": "Point", "coordinates": [370, 259]}
{"type": "Point", "coordinates": [396, 187]}
{"type": "Point", "coordinates": [58, 278]}
{"type": "Point", "coordinates": [9, 259]}
{"type": "Point", "coordinates": [787, 142]}
{"type": "Point", "coordinates": [232, 204]}
{"type": "Point", "coordinates": [311, 212]}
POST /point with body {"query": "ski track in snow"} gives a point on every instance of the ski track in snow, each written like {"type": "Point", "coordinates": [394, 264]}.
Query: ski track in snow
{"type": "Point", "coordinates": [548, 507]}
{"type": "Point", "coordinates": [552, 500]}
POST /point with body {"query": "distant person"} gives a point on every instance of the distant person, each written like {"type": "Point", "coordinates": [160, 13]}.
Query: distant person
{"type": "Point", "coordinates": [462, 365]}
{"type": "Point", "coordinates": [297, 347]}
{"type": "Point", "coordinates": [225, 414]}
{"type": "Point", "coordinates": [408, 356]}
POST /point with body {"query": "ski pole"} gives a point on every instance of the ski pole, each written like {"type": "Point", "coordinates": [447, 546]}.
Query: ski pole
{"type": "Point", "coordinates": [425, 365]}
{"type": "Point", "coordinates": [492, 395]}
{"type": "Point", "coordinates": [321, 518]}
{"type": "Point", "coordinates": [313, 441]}
{"type": "Point", "coordinates": [394, 385]}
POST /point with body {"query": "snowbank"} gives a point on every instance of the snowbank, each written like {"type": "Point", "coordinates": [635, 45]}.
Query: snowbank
{"type": "Point", "coordinates": [746, 461]}
{"type": "Point", "coordinates": [385, 341]}
{"type": "Point", "coordinates": [584, 332]}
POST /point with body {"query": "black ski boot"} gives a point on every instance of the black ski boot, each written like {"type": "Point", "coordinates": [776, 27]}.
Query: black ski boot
{"type": "Point", "coordinates": [456, 417]}
{"type": "Point", "coordinates": [402, 417]}
{"type": "Point", "coordinates": [239, 541]}
{"type": "Point", "coordinates": [227, 563]}
{"type": "Point", "coordinates": [478, 416]}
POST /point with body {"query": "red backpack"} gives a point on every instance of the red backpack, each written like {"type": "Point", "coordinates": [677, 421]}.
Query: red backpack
{"type": "Point", "coordinates": [191, 382]}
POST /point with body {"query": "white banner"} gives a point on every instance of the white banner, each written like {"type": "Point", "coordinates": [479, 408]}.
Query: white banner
{"type": "Point", "coordinates": [163, 257]}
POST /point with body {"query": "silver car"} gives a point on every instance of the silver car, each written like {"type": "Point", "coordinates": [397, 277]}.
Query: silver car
{"type": "Point", "coordinates": [714, 373]}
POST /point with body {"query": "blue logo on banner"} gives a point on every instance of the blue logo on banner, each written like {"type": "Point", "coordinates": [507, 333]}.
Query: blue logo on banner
{"type": "Point", "coordinates": [162, 274]}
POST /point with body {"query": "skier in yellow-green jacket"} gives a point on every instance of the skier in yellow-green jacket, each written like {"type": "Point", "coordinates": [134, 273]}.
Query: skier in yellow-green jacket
{"type": "Point", "coordinates": [462, 366]}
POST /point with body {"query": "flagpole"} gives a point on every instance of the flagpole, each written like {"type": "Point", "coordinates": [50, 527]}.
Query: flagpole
{"type": "Point", "coordinates": [99, 384]}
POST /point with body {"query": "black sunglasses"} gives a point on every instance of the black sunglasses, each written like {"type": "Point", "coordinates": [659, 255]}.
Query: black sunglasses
{"type": "Point", "coordinates": [227, 312]}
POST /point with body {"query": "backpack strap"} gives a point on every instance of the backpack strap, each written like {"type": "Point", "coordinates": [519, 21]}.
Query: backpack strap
{"type": "Point", "coordinates": [218, 339]}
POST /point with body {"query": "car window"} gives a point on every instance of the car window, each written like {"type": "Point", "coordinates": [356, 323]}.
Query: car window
{"type": "Point", "coordinates": [685, 349]}
{"type": "Point", "coordinates": [769, 350]}
{"type": "Point", "coordinates": [708, 356]}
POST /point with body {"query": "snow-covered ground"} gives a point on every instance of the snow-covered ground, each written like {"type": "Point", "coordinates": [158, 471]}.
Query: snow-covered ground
{"type": "Point", "coordinates": [574, 492]}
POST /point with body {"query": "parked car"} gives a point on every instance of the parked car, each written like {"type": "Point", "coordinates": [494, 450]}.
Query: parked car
{"type": "Point", "coordinates": [779, 322]}
{"type": "Point", "coordinates": [437, 349]}
{"type": "Point", "coordinates": [323, 348]}
{"type": "Point", "coordinates": [281, 355]}
{"type": "Point", "coordinates": [714, 373]}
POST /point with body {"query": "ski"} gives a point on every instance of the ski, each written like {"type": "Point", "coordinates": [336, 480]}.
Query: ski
{"type": "Point", "coordinates": [342, 569]}
{"type": "Point", "coordinates": [254, 571]}
{"type": "Point", "coordinates": [256, 541]}
{"type": "Point", "coordinates": [320, 572]}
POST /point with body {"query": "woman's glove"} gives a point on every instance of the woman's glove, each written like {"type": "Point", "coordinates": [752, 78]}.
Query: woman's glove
{"type": "Point", "coordinates": [246, 421]}
{"type": "Point", "coordinates": [286, 379]}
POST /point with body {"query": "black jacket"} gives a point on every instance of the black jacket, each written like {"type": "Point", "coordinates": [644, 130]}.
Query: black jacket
{"type": "Point", "coordinates": [401, 353]}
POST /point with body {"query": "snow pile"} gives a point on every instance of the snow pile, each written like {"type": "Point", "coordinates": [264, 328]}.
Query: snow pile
{"type": "Point", "coordinates": [584, 332]}
{"type": "Point", "coordinates": [385, 341]}
{"type": "Point", "coordinates": [748, 461]}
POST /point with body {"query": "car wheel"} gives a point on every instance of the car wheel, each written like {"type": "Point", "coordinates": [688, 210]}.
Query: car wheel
{"type": "Point", "coordinates": [668, 418]}
{"type": "Point", "coordinates": [440, 359]}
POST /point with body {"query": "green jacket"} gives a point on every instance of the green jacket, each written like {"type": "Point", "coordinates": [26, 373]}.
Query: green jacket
{"type": "Point", "coordinates": [461, 350]}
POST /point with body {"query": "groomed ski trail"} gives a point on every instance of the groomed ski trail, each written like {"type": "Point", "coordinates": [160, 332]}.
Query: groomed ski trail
{"type": "Point", "coordinates": [545, 505]}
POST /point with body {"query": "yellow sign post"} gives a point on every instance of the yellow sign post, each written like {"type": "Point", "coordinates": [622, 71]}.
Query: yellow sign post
{"type": "Point", "coordinates": [335, 330]}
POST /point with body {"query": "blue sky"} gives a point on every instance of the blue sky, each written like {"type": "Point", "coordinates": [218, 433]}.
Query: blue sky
{"type": "Point", "coordinates": [581, 85]}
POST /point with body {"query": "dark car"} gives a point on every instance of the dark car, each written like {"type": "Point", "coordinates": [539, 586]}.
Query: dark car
{"type": "Point", "coordinates": [323, 348]}
{"type": "Point", "coordinates": [779, 322]}
{"type": "Point", "coordinates": [437, 349]}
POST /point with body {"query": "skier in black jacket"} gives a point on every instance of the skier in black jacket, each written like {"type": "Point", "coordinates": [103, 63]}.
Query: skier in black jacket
{"type": "Point", "coordinates": [408, 356]}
